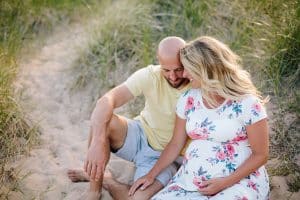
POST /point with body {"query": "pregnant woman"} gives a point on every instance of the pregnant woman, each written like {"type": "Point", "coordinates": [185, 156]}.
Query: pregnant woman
{"type": "Point", "coordinates": [224, 117]}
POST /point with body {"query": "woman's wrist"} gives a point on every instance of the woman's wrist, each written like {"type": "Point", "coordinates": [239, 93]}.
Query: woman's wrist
{"type": "Point", "coordinates": [229, 181]}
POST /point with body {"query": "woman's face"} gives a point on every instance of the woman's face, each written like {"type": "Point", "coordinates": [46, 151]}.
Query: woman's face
{"type": "Point", "coordinates": [194, 83]}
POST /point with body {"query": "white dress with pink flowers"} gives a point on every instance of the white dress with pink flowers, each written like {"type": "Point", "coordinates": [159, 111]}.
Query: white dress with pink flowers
{"type": "Point", "coordinates": [219, 146]}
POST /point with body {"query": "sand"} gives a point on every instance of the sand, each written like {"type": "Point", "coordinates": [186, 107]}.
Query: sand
{"type": "Point", "coordinates": [63, 116]}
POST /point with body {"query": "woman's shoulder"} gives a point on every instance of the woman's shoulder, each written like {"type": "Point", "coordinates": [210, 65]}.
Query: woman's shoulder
{"type": "Point", "coordinates": [250, 99]}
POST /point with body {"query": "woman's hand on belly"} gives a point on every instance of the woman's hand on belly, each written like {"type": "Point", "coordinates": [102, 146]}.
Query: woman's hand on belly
{"type": "Point", "coordinates": [213, 186]}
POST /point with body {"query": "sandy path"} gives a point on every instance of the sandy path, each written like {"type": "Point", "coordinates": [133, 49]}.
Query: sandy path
{"type": "Point", "coordinates": [63, 118]}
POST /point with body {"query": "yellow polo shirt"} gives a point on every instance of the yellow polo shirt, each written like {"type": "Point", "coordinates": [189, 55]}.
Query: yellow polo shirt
{"type": "Point", "coordinates": [158, 115]}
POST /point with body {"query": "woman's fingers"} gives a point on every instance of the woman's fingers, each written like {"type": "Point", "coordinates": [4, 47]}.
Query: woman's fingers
{"type": "Point", "coordinates": [135, 186]}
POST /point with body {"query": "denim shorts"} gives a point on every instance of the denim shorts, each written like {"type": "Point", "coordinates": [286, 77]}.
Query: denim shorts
{"type": "Point", "coordinates": [136, 149]}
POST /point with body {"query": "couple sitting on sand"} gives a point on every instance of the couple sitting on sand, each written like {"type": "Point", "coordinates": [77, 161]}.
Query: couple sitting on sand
{"type": "Point", "coordinates": [198, 96]}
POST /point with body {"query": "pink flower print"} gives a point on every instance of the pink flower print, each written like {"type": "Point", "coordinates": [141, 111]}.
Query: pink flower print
{"type": "Point", "coordinates": [174, 188]}
{"type": "Point", "coordinates": [256, 173]}
{"type": "Point", "coordinates": [252, 185]}
{"type": "Point", "coordinates": [202, 130]}
{"type": "Point", "coordinates": [230, 149]}
{"type": "Point", "coordinates": [256, 107]}
{"type": "Point", "coordinates": [198, 181]}
{"type": "Point", "coordinates": [229, 102]}
{"type": "Point", "coordinates": [199, 134]}
{"type": "Point", "coordinates": [189, 104]}
{"type": "Point", "coordinates": [195, 136]}
{"type": "Point", "coordinates": [240, 198]}
{"type": "Point", "coordinates": [240, 137]}
{"type": "Point", "coordinates": [221, 155]}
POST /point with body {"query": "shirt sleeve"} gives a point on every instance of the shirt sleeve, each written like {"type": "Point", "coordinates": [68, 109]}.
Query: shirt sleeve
{"type": "Point", "coordinates": [254, 111]}
{"type": "Point", "coordinates": [180, 107]}
{"type": "Point", "coordinates": [137, 82]}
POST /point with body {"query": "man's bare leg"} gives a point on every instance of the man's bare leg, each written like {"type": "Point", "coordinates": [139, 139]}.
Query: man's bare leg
{"type": "Point", "coordinates": [116, 133]}
{"type": "Point", "coordinates": [117, 190]}
{"type": "Point", "coordinates": [120, 191]}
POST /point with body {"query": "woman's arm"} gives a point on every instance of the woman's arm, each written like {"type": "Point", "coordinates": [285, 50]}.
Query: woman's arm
{"type": "Point", "coordinates": [258, 136]}
{"type": "Point", "coordinates": [168, 155]}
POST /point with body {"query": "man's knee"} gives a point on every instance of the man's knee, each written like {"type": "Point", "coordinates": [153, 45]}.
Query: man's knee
{"type": "Point", "coordinates": [117, 131]}
{"type": "Point", "coordinates": [114, 123]}
{"type": "Point", "coordinates": [140, 195]}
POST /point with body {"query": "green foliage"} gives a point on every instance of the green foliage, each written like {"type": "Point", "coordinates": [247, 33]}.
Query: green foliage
{"type": "Point", "coordinates": [180, 18]}
{"type": "Point", "coordinates": [283, 69]}
{"type": "Point", "coordinates": [282, 72]}
{"type": "Point", "coordinates": [124, 37]}
{"type": "Point", "coordinates": [16, 136]}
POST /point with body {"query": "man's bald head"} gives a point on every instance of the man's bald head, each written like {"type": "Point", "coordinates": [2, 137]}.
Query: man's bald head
{"type": "Point", "coordinates": [168, 57]}
{"type": "Point", "coordinates": [168, 48]}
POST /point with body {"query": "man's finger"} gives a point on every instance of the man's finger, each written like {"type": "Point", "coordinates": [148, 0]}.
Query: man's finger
{"type": "Point", "coordinates": [89, 168]}
{"type": "Point", "coordinates": [99, 172]}
{"type": "Point", "coordinates": [93, 171]}
{"type": "Point", "coordinates": [85, 166]}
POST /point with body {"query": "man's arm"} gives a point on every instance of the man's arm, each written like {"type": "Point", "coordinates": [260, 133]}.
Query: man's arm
{"type": "Point", "coordinates": [98, 152]}
{"type": "Point", "coordinates": [103, 110]}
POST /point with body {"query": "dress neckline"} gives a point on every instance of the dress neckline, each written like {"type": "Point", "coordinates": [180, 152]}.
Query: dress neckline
{"type": "Point", "coordinates": [205, 107]}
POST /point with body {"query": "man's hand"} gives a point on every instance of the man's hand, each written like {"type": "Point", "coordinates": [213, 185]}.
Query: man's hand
{"type": "Point", "coordinates": [142, 182]}
{"type": "Point", "coordinates": [213, 186]}
{"type": "Point", "coordinates": [97, 158]}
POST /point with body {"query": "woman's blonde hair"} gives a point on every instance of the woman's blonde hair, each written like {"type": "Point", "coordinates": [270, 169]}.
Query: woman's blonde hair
{"type": "Point", "coordinates": [217, 69]}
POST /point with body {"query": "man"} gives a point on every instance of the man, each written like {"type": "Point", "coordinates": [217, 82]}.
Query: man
{"type": "Point", "coordinates": [139, 140]}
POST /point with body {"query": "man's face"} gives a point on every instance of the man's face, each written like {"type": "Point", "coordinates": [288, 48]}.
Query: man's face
{"type": "Point", "coordinates": [172, 70]}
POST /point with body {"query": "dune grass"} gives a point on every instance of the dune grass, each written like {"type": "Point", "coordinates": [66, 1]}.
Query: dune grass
{"type": "Point", "coordinates": [21, 22]}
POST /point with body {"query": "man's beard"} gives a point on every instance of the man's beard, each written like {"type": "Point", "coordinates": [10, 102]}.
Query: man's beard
{"type": "Point", "coordinates": [179, 84]}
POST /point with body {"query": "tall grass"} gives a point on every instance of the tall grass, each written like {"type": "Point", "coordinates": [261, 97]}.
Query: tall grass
{"type": "Point", "coordinates": [20, 23]}
{"type": "Point", "coordinates": [283, 72]}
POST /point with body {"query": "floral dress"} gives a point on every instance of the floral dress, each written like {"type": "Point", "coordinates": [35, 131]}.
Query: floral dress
{"type": "Point", "coordinates": [219, 145]}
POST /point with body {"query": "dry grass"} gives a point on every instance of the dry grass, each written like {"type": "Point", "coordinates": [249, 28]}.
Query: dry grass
{"type": "Point", "coordinates": [20, 22]}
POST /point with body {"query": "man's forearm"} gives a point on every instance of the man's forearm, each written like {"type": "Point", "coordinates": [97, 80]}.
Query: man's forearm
{"type": "Point", "coordinates": [101, 116]}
